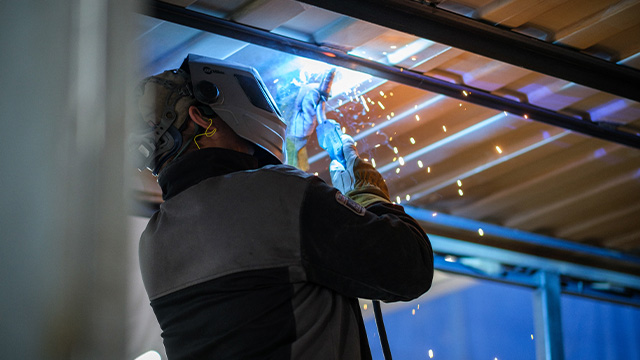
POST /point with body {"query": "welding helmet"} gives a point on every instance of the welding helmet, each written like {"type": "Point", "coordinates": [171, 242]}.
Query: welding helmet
{"type": "Point", "coordinates": [232, 91]}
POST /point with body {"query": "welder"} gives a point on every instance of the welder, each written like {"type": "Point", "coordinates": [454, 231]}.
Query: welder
{"type": "Point", "coordinates": [250, 258]}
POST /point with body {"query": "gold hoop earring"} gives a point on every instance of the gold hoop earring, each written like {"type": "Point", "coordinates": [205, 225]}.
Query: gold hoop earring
{"type": "Point", "coordinates": [207, 133]}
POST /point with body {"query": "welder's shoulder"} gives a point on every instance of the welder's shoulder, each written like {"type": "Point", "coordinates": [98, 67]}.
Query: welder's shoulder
{"type": "Point", "coordinates": [288, 171]}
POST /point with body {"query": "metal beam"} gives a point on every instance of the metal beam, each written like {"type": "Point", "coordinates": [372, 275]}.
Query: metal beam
{"type": "Point", "coordinates": [493, 41]}
{"type": "Point", "coordinates": [516, 268]}
{"type": "Point", "coordinates": [524, 242]}
{"type": "Point", "coordinates": [547, 318]}
{"type": "Point", "coordinates": [196, 20]}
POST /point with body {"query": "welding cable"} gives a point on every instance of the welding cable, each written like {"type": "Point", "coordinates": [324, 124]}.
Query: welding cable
{"type": "Point", "coordinates": [384, 342]}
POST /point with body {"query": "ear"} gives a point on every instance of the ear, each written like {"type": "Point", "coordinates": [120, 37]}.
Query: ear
{"type": "Point", "coordinates": [197, 118]}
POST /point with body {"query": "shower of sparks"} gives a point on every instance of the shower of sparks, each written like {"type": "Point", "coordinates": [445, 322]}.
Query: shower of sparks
{"type": "Point", "coordinates": [444, 128]}
{"type": "Point", "coordinates": [480, 232]}
{"type": "Point", "coordinates": [380, 104]}
{"type": "Point", "coordinates": [420, 165]}
{"type": "Point", "coordinates": [412, 140]}
{"type": "Point", "coordinates": [401, 161]}
{"type": "Point", "coordinates": [460, 192]}
{"type": "Point", "coordinates": [417, 118]}
{"type": "Point", "coordinates": [498, 150]}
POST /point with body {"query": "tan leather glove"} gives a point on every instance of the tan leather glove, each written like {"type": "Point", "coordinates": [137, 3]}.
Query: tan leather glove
{"type": "Point", "coordinates": [359, 180]}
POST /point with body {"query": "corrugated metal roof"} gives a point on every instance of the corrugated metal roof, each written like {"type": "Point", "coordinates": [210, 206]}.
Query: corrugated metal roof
{"type": "Point", "coordinates": [445, 154]}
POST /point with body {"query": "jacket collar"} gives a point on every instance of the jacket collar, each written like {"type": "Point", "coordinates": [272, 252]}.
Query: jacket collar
{"type": "Point", "coordinates": [202, 164]}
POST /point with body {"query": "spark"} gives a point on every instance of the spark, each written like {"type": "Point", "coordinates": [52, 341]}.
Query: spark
{"type": "Point", "coordinates": [315, 173]}
{"type": "Point", "coordinates": [415, 106]}
{"type": "Point", "coordinates": [450, 258]}
{"type": "Point", "coordinates": [417, 117]}
{"type": "Point", "coordinates": [526, 116]}
{"type": "Point", "coordinates": [365, 306]}
{"type": "Point", "coordinates": [430, 354]}
{"type": "Point", "coordinates": [397, 199]}
{"type": "Point", "coordinates": [377, 146]}
{"type": "Point", "coordinates": [444, 128]}
{"type": "Point", "coordinates": [395, 158]}
{"type": "Point", "coordinates": [373, 162]}
{"type": "Point", "coordinates": [414, 58]}
{"type": "Point", "coordinates": [395, 149]}
{"type": "Point", "coordinates": [391, 93]}
{"type": "Point", "coordinates": [460, 192]}
{"type": "Point", "coordinates": [428, 169]}
{"type": "Point", "coordinates": [397, 170]}
{"type": "Point", "coordinates": [480, 232]}
{"type": "Point", "coordinates": [498, 150]}
{"type": "Point", "coordinates": [420, 165]}
{"type": "Point", "coordinates": [401, 161]}
{"type": "Point", "coordinates": [531, 336]}
{"type": "Point", "coordinates": [412, 140]}
{"type": "Point", "coordinates": [413, 311]}
{"type": "Point", "coordinates": [393, 46]}
{"type": "Point", "coordinates": [505, 113]}
{"type": "Point", "coordinates": [276, 80]}
{"type": "Point", "coordinates": [381, 93]}
{"type": "Point", "coordinates": [434, 214]}
{"type": "Point", "coordinates": [344, 130]}
{"type": "Point", "coordinates": [418, 306]}
{"type": "Point", "coordinates": [365, 104]}
{"type": "Point", "coordinates": [380, 104]}
{"type": "Point", "coordinates": [392, 114]}
{"type": "Point", "coordinates": [388, 117]}
{"type": "Point", "coordinates": [408, 197]}
{"type": "Point", "coordinates": [459, 183]}
{"type": "Point", "coordinates": [464, 92]}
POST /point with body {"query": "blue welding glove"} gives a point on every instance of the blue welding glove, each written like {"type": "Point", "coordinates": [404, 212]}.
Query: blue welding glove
{"type": "Point", "coordinates": [359, 180]}
{"type": "Point", "coordinates": [302, 125]}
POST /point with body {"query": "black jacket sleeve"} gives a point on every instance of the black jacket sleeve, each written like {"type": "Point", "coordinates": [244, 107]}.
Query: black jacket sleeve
{"type": "Point", "coordinates": [381, 253]}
